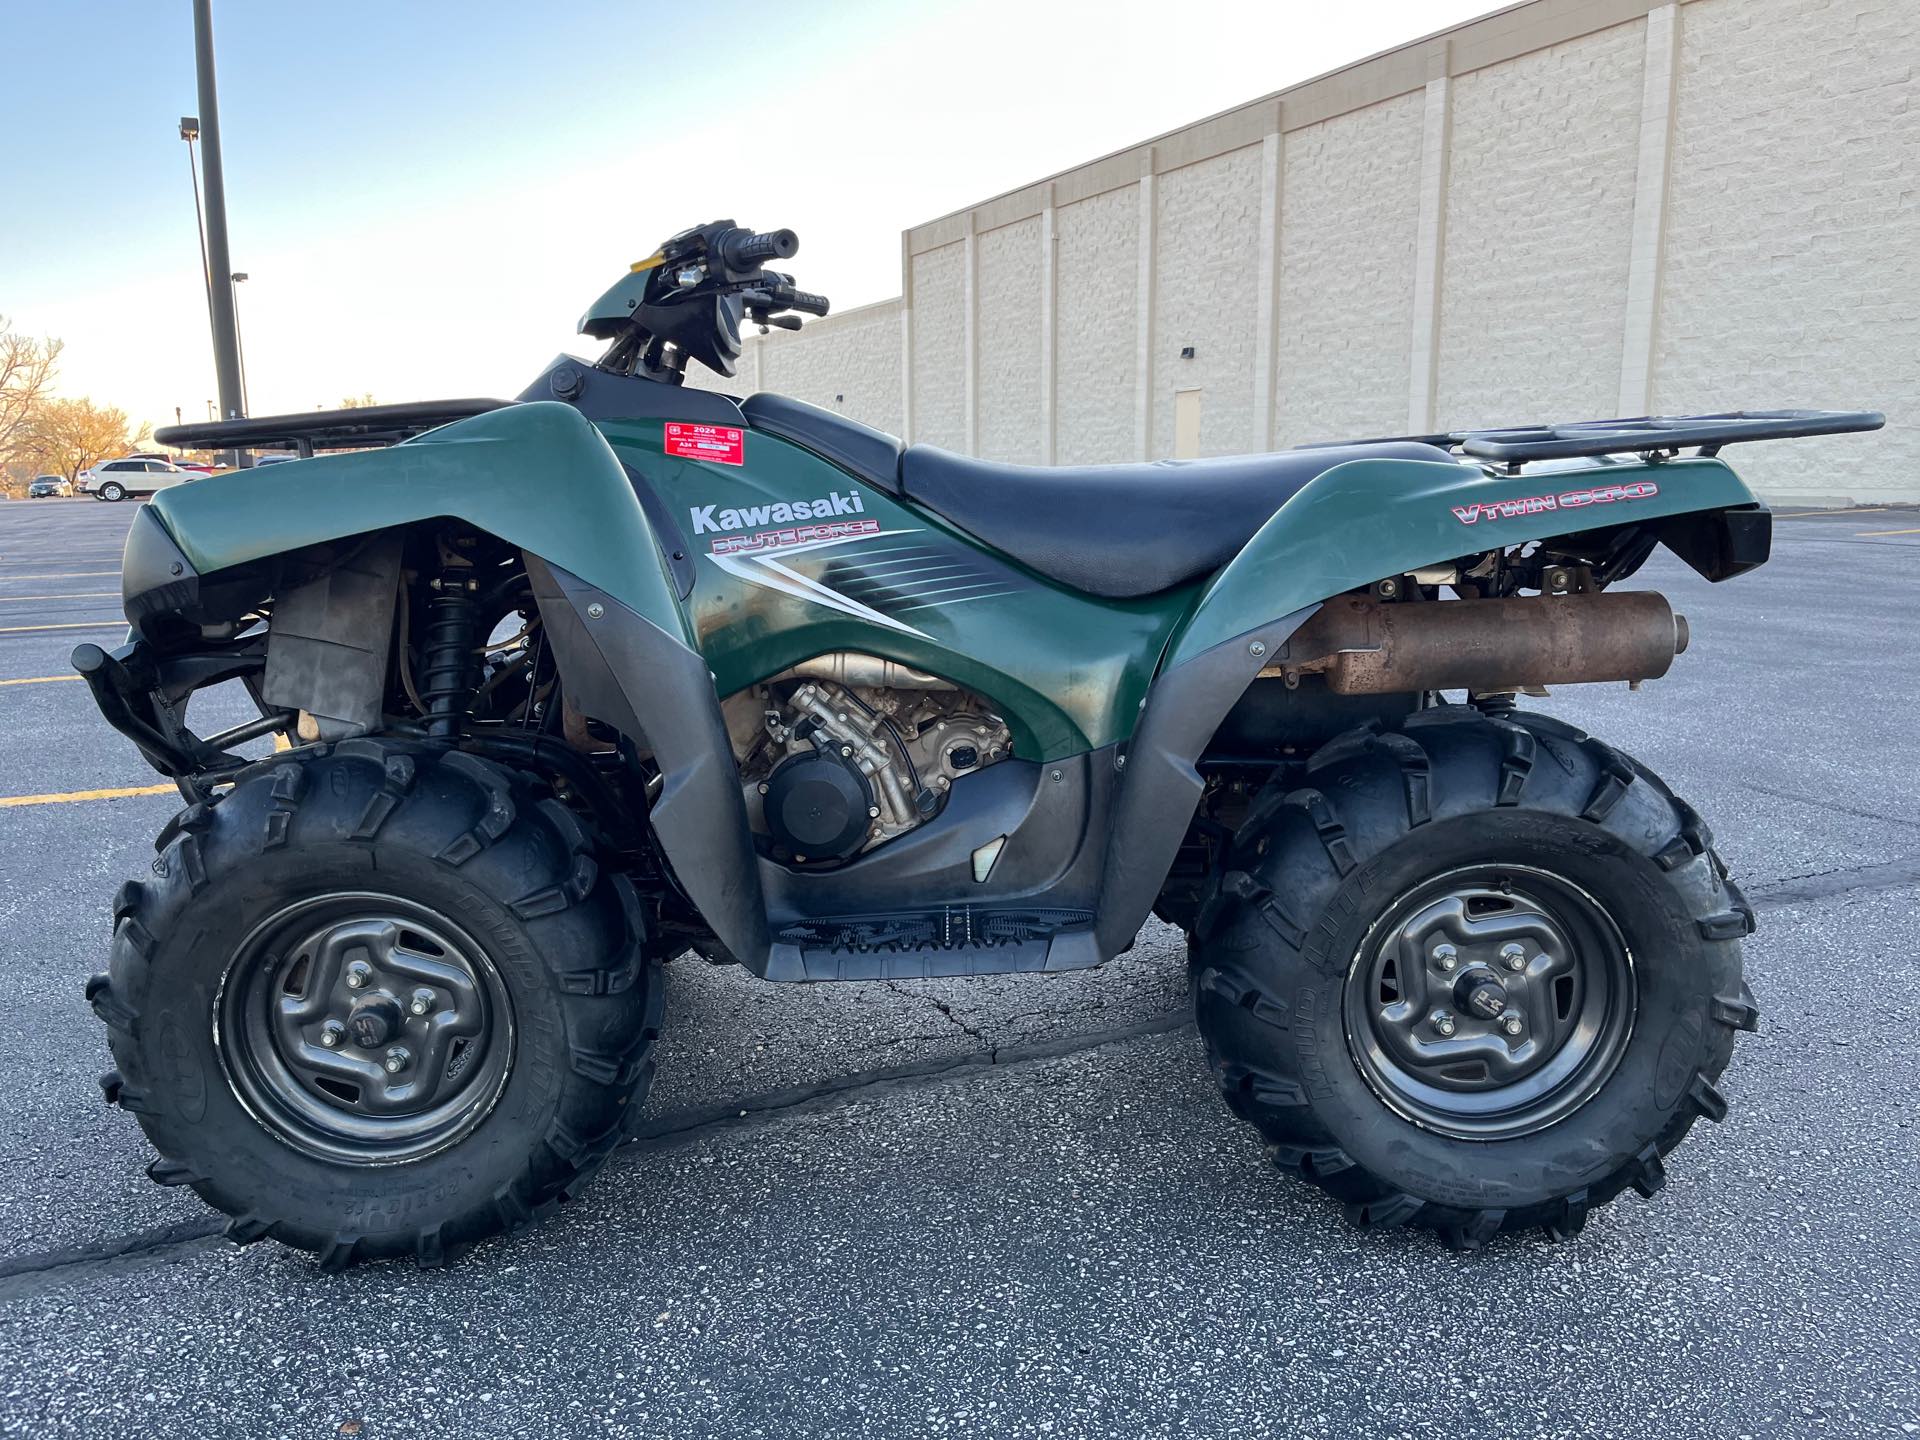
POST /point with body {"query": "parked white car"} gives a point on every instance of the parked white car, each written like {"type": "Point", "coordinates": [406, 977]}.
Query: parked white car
{"type": "Point", "coordinates": [135, 475]}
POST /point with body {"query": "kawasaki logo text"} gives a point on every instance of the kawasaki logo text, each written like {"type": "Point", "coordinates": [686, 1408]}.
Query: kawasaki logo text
{"type": "Point", "coordinates": [1566, 500]}
{"type": "Point", "coordinates": [711, 520]}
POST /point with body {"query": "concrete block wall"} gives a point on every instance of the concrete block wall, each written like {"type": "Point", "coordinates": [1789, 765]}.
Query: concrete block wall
{"type": "Point", "coordinates": [1539, 215]}
{"type": "Point", "coordinates": [1349, 193]}
{"type": "Point", "coordinates": [1792, 270]}
{"type": "Point", "coordinates": [1206, 263]}
{"type": "Point", "coordinates": [1008, 383]}
{"type": "Point", "coordinates": [1566, 210]}
{"type": "Point", "coordinates": [1097, 269]}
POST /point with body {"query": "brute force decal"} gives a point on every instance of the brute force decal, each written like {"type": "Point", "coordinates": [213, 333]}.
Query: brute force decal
{"type": "Point", "coordinates": [793, 535]}
{"type": "Point", "coordinates": [1565, 500]}
{"type": "Point", "coordinates": [712, 520]}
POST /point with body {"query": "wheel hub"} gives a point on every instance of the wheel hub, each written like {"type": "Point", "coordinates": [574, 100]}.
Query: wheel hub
{"type": "Point", "coordinates": [1479, 992]}
{"type": "Point", "coordinates": [364, 1028]}
{"type": "Point", "coordinates": [374, 1021]}
{"type": "Point", "coordinates": [1490, 1002]}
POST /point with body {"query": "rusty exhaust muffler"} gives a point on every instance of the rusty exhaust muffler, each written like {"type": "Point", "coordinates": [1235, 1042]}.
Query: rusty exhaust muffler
{"type": "Point", "coordinates": [1364, 647]}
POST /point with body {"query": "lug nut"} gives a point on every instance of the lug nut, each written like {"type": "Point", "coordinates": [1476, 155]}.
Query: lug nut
{"type": "Point", "coordinates": [358, 973]}
{"type": "Point", "coordinates": [332, 1034]}
{"type": "Point", "coordinates": [398, 1058]}
{"type": "Point", "coordinates": [1511, 1024]}
{"type": "Point", "coordinates": [421, 1003]}
{"type": "Point", "coordinates": [1515, 955]}
{"type": "Point", "coordinates": [1445, 956]}
{"type": "Point", "coordinates": [1443, 1023]}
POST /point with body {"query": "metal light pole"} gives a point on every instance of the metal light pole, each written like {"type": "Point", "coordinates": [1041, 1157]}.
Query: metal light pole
{"type": "Point", "coordinates": [239, 278]}
{"type": "Point", "coordinates": [226, 342]}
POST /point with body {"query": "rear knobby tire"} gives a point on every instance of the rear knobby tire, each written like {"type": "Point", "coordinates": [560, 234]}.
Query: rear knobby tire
{"type": "Point", "coordinates": [1309, 895]}
{"type": "Point", "coordinates": [479, 853]}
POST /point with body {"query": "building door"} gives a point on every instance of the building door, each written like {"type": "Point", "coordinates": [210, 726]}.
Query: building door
{"type": "Point", "coordinates": [1186, 424]}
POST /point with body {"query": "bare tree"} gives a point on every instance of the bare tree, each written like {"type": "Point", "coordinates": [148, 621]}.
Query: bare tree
{"type": "Point", "coordinates": [26, 374]}
{"type": "Point", "coordinates": [67, 436]}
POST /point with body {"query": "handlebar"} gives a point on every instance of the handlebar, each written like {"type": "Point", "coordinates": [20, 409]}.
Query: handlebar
{"type": "Point", "coordinates": [801, 300]}
{"type": "Point", "coordinates": [746, 250]}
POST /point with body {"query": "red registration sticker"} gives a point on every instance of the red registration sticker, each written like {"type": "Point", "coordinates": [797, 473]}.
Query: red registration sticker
{"type": "Point", "coordinates": [721, 444]}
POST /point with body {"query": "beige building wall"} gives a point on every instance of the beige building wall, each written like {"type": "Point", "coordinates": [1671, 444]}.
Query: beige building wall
{"type": "Point", "coordinates": [1793, 233]}
{"type": "Point", "coordinates": [1206, 248]}
{"type": "Point", "coordinates": [1350, 192]}
{"type": "Point", "coordinates": [1531, 294]}
{"type": "Point", "coordinates": [1097, 274]}
{"type": "Point", "coordinates": [940, 356]}
{"type": "Point", "coordinates": [1009, 336]}
{"type": "Point", "coordinates": [1566, 210]}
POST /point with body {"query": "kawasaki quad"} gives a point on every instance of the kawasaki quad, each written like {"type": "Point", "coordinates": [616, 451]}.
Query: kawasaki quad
{"type": "Point", "coordinates": [568, 686]}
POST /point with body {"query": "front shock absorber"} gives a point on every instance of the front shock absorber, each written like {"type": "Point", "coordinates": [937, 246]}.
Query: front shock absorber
{"type": "Point", "coordinates": [451, 655]}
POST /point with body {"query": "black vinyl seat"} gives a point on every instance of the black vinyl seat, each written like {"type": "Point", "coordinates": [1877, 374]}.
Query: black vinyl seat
{"type": "Point", "coordinates": [871, 455]}
{"type": "Point", "coordinates": [1125, 530]}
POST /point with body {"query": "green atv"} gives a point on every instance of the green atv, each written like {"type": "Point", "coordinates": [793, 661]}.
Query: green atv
{"type": "Point", "coordinates": [567, 686]}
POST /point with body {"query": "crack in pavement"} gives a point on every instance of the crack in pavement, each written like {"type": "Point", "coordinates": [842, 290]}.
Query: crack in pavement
{"type": "Point", "coordinates": [72, 1262]}
{"type": "Point", "coordinates": [1818, 804]}
{"type": "Point", "coordinates": [1798, 889]}
{"type": "Point", "coordinates": [937, 1003]}
{"type": "Point", "coordinates": [34, 1273]}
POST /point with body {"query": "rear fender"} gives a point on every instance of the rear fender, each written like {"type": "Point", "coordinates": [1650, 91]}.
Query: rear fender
{"type": "Point", "coordinates": [1355, 524]}
{"type": "Point", "coordinates": [1372, 518]}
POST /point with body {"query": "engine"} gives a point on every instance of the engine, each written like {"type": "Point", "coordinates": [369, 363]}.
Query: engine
{"type": "Point", "coordinates": [832, 767]}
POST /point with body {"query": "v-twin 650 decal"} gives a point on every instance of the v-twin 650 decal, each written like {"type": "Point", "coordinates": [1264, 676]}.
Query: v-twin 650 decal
{"type": "Point", "coordinates": [1565, 500]}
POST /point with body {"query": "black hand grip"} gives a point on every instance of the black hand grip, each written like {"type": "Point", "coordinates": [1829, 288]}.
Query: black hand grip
{"type": "Point", "coordinates": [804, 300]}
{"type": "Point", "coordinates": [743, 250]}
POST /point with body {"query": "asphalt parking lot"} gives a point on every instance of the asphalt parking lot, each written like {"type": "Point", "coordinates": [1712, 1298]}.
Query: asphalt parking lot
{"type": "Point", "coordinates": [1014, 1206]}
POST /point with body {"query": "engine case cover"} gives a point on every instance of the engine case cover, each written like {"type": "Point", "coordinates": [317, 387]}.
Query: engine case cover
{"type": "Point", "coordinates": [817, 807]}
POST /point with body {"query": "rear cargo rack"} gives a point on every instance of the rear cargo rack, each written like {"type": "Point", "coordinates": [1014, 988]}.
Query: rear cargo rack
{"type": "Point", "coordinates": [1648, 435]}
{"type": "Point", "coordinates": [358, 429]}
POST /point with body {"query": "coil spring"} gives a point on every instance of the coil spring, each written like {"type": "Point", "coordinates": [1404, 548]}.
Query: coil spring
{"type": "Point", "coordinates": [450, 652]}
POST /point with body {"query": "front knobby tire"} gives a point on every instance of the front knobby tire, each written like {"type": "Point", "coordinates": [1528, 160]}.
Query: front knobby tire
{"type": "Point", "coordinates": [380, 1001]}
{"type": "Point", "coordinates": [1472, 974]}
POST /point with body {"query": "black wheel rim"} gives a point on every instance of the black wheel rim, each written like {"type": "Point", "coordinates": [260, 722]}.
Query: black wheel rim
{"type": "Point", "coordinates": [364, 1029]}
{"type": "Point", "coordinates": [1490, 1002]}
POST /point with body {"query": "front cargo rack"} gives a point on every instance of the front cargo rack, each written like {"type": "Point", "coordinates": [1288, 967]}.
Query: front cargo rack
{"type": "Point", "coordinates": [1649, 435]}
{"type": "Point", "coordinates": [362, 428]}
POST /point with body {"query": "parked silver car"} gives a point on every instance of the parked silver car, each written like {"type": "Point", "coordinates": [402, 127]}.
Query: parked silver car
{"type": "Point", "coordinates": [44, 487]}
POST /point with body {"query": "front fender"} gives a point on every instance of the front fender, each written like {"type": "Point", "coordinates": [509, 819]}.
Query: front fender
{"type": "Point", "coordinates": [536, 475]}
{"type": "Point", "coordinates": [1372, 518]}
